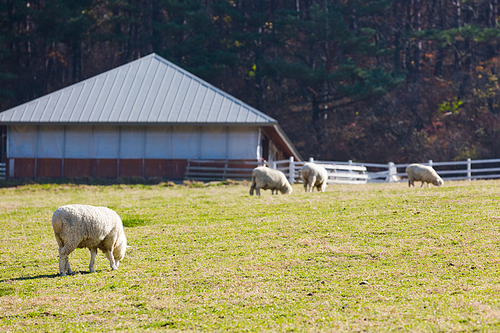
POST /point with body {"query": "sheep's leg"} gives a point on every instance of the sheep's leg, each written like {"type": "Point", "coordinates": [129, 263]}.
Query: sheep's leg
{"type": "Point", "coordinates": [312, 183]}
{"type": "Point", "coordinates": [111, 259]}
{"type": "Point", "coordinates": [305, 185]}
{"type": "Point", "coordinates": [93, 253]}
{"type": "Point", "coordinates": [257, 191]}
{"type": "Point", "coordinates": [252, 187]}
{"type": "Point", "coordinates": [64, 266]}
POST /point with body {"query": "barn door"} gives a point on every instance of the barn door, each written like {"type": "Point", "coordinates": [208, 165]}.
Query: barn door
{"type": "Point", "coordinates": [265, 147]}
{"type": "Point", "coordinates": [3, 147]}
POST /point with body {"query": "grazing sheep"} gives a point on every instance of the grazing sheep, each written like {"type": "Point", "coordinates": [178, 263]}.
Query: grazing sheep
{"type": "Point", "coordinates": [424, 174]}
{"type": "Point", "coordinates": [269, 179]}
{"type": "Point", "coordinates": [314, 175]}
{"type": "Point", "coordinates": [79, 226]}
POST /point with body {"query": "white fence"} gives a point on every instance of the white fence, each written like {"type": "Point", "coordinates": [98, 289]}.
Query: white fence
{"type": "Point", "coordinates": [456, 170]}
{"type": "Point", "coordinates": [391, 172]}
{"type": "Point", "coordinates": [345, 172]}
{"type": "Point", "coordinates": [210, 170]}
{"type": "Point", "coordinates": [338, 173]}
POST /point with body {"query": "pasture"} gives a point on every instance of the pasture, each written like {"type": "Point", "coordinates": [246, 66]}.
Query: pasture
{"type": "Point", "coordinates": [375, 257]}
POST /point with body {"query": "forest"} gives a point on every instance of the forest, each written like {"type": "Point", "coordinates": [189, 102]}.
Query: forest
{"type": "Point", "coordinates": [366, 80]}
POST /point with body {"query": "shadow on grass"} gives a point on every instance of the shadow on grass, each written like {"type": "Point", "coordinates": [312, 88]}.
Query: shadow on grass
{"type": "Point", "coordinates": [46, 276]}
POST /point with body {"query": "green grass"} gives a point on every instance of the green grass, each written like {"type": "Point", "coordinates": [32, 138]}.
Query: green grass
{"type": "Point", "coordinates": [377, 258]}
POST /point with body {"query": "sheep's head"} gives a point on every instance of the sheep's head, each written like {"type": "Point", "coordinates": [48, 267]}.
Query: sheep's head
{"type": "Point", "coordinates": [286, 189]}
{"type": "Point", "coordinates": [119, 251]}
{"type": "Point", "coordinates": [438, 182]}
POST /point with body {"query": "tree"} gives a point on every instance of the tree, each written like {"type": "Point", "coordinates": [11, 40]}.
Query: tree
{"type": "Point", "coordinates": [334, 59]}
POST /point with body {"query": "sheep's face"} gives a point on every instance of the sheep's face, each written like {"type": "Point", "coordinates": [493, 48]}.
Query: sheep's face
{"type": "Point", "coordinates": [437, 182]}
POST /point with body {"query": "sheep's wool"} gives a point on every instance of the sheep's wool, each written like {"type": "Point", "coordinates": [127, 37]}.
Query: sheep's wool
{"type": "Point", "coordinates": [424, 174]}
{"type": "Point", "coordinates": [79, 226]}
{"type": "Point", "coordinates": [314, 175]}
{"type": "Point", "coordinates": [269, 179]}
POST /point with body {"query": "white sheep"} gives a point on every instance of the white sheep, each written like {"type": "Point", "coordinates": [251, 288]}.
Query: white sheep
{"type": "Point", "coordinates": [424, 174]}
{"type": "Point", "coordinates": [269, 179]}
{"type": "Point", "coordinates": [79, 226]}
{"type": "Point", "coordinates": [314, 175]}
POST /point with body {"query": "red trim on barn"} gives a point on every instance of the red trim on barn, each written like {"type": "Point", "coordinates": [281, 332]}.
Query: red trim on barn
{"type": "Point", "coordinates": [103, 168]}
{"type": "Point", "coordinates": [96, 168]}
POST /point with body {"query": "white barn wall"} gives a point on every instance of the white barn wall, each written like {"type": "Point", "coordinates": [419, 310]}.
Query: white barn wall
{"type": "Point", "coordinates": [22, 141]}
{"type": "Point", "coordinates": [243, 142]}
{"type": "Point", "coordinates": [185, 142]}
{"type": "Point", "coordinates": [133, 142]}
{"type": "Point", "coordinates": [106, 142]}
{"type": "Point", "coordinates": [158, 142]}
{"type": "Point", "coordinates": [50, 142]}
{"type": "Point", "coordinates": [214, 143]}
{"type": "Point", "coordinates": [78, 141]}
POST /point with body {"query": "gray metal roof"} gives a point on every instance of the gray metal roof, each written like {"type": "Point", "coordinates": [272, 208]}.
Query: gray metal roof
{"type": "Point", "coordinates": [150, 90]}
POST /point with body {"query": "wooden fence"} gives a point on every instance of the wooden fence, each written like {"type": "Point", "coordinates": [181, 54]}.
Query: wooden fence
{"type": "Point", "coordinates": [210, 170]}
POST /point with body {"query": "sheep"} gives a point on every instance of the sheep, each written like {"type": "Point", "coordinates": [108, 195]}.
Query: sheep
{"type": "Point", "coordinates": [424, 174]}
{"type": "Point", "coordinates": [314, 175]}
{"type": "Point", "coordinates": [269, 179]}
{"type": "Point", "coordinates": [79, 226]}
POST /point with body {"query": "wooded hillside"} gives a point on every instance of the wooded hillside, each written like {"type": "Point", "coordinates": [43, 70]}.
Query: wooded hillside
{"type": "Point", "coordinates": [374, 81]}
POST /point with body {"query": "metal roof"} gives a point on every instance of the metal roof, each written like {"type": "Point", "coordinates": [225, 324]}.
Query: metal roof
{"type": "Point", "coordinates": [150, 90]}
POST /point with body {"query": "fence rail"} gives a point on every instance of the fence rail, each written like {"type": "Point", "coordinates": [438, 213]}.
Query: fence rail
{"type": "Point", "coordinates": [210, 170]}
{"type": "Point", "coordinates": [338, 172]}
{"type": "Point", "coordinates": [451, 170]}
{"type": "Point", "coordinates": [213, 170]}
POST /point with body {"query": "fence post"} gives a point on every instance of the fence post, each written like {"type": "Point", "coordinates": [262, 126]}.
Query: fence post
{"type": "Point", "coordinates": [392, 171]}
{"type": "Point", "coordinates": [311, 159]}
{"type": "Point", "coordinates": [469, 169]}
{"type": "Point", "coordinates": [430, 163]}
{"type": "Point", "coordinates": [291, 171]}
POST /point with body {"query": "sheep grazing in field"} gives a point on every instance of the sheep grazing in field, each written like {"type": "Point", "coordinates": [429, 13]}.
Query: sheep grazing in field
{"type": "Point", "coordinates": [269, 179]}
{"type": "Point", "coordinates": [314, 175]}
{"type": "Point", "coordinates": [79, 226]}
{"type": "Point", "coordinates": [424, 174]}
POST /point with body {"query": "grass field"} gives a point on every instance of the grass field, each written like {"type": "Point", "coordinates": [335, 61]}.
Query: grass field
{"type": "Point", "coordinates": [377, 258]}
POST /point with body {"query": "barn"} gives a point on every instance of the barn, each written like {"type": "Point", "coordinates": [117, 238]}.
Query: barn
{"type": "Point", "coordinates": [147, 118]}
